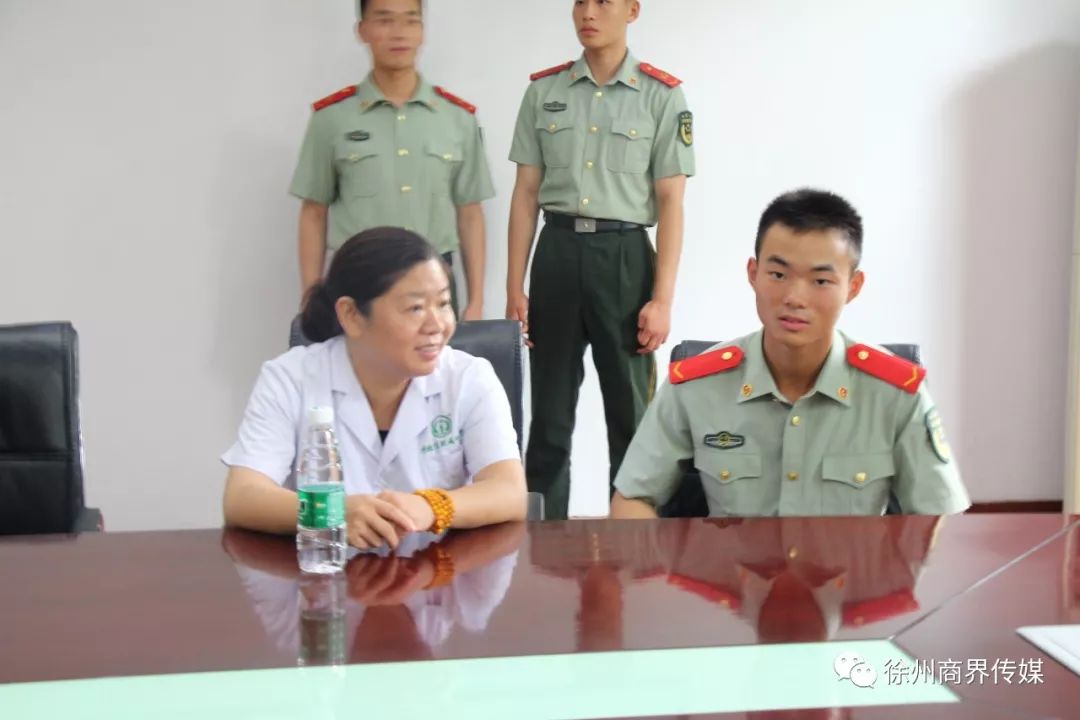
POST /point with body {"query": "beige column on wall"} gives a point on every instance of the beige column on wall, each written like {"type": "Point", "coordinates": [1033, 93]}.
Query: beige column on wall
{"type": "Point", "coordinates": [1072, 438]}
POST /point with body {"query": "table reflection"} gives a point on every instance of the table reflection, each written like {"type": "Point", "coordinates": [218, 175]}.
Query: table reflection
{"type": "Point", "coordinates": [382, 608]}
{"type": "Point", "coordinates": [789, 579]}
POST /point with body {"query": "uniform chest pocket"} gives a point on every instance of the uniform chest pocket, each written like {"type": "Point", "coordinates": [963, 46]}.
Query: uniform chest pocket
{"type": "Point", "coordinates": [630, 145]}
{"type": "Point", "coordinates": [857, 484]}
{"type": "Point", "coordinates": [732, 482]}
{"type": "Point", "coordinates": [556, 140]}
{"type": "Point", "coordinates": [441, 161]}
{"type": "Point", "coordinates": [359, 169]}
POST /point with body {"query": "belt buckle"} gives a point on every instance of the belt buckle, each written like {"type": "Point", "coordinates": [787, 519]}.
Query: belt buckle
{"type": "Point", "coordinates": [584, 225]}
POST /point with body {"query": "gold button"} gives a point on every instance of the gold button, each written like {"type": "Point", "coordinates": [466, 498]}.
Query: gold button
{"type": "Point", "coordinates": [843, 393]}
{"type": "Point", "coordinates": [793, 476]}
{"type": "Point", "coordinates": [633, 133]}
{"type": "Point", "coordinates": [552, 126]}
{"type": "Point", "coordinates": [573, 76]}
{"type": "Point", "coordinates": [727, 356]}
{"type": "Point", "coordinates": [747, 390]}
{"type": "Point", "coordinates": [796, 420]}
{"type": "Point", "coordinates": [633, 80]}
{"type": "Point", "coordinates": [585, 201]}
{"type": "Point", "coordinates": [400, 117]}
{"type": "Point", "coordinates": [406, 188]}
{"type": "Point", "coordinates": [599, 93]}
{"type": "Point", "coordinates": [725, 474]}
{"type": "Point", "coordinates": [863, 355]}
{"type": "Point", "coordinates": [860, 477]}
{"type": "Point", "coordinates": [402, 152]}
{"type": "Point", "coordinates": [594, 129]}
{"type": "Point", "coordinates": [589, 164]}
{"type": "Point", "coordinates": [448, 157]}
{"type": "Point", "coordinates": [793, 552]}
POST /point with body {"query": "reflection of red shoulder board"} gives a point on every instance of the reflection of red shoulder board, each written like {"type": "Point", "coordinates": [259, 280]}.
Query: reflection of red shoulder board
{"type": "Point", "coordinates": [712, 593]}
{"type": "Point", "coordinates": [656, 74]}
{"type": "Point", "coordinates": [877, 609]}
{"type": "Point", "coordinates": [705, 364]}
{"type": "Point", "coordinates": [551, 71]}
{"type": "Point", "coordinates": [450, 97]}
{"type": "Point", "coordinates": [343, 94]}
{"type": "Point", "coordinates": [888, 367]}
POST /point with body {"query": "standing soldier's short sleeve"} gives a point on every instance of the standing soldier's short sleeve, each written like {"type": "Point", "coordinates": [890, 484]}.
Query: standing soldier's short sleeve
{"type": "Point", "coordinates": [315, 178]}
{"type": "Point", "coordinates": [525, 149]}
{"type": "Point", "coordinates": [673, 150]}
{"type": "Point", "coordinates": [650, 470]}
{"type": "Point", "coordinates": [927, 480]}
{"type": "Point", "coordinates": [472, 181]}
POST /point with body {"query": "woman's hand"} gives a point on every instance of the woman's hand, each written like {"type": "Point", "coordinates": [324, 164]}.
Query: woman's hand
{"type": "Point", "coordinates": [387, 580]}
{"type": "Point", "coordinates": [414, 506]}
{"type": "Point", "coordinates": [372, 521]}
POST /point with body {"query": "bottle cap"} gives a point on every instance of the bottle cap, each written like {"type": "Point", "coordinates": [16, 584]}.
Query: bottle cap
{"type": "Point", "coordinates": [321, 416]}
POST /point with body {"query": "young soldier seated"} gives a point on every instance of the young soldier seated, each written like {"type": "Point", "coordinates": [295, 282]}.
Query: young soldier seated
{"type": "Point", "coordinates": [797, 418]}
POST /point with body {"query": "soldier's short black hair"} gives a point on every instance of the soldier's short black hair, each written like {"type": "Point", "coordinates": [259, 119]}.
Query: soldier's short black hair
{"type": "Point", "coordinates": [362, 6]}
{"type": "Point", "coordinates": [807, 210]}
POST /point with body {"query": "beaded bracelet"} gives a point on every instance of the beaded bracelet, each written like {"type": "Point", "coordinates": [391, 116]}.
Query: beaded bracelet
{"type": "Point", "coordinates": [444, 569]}
{"type": "Point", "coordinates": [443, 507]}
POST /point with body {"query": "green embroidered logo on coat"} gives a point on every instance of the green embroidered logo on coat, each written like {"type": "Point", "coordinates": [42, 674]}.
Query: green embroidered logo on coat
{"type": "Point", "coordinates": [441, 427]}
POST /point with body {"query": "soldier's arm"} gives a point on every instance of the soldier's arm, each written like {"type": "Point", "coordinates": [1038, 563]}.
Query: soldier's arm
{"type": "Point", "coordinates": [524, 214]}
{"type": "Point", "coordinates": [524, 206]}
{"type": "Point", "coordinates": [470, 227]}
{"type": "Point", "coordinates": [313, 219]}
{"type": "Point", "coordinates": [670, 192]}
{"type": "Point", "coordinates": [650, 472]}
{"type": "Point", "coordinates": [671, 163]}
{"type": "Point", "coordinates": [315, 183]}
{"type": "Point", "coordinates": [927, 480]}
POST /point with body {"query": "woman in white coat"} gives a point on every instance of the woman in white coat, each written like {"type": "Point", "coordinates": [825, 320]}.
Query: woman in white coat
{"type": "Point", "coordinates": [426, 436]}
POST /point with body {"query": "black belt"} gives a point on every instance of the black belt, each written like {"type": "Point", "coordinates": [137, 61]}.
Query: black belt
{"type": "Point", "coordinates": [588, 225]}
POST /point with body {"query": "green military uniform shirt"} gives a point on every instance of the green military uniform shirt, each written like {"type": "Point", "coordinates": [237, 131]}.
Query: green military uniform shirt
{"type": "Point", "coordinates": [839, 450]}
{"type": "Point", "coordinates": [378, 165]}
{"type": "Point", "coordinates": [603, 148]}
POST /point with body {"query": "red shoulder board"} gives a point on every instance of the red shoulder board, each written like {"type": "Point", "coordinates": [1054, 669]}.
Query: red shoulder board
{"type": "Point", "coordinates": [551, 71]}
{"type": "Point", "coordinates": [450, 97]}
{"type": "Point", "coordinates": [343, 94]}
{"type": "Point", "coordinates": [709, 591]}
{"type": "Point", "coordinates": [656, 74]}
{"type": "Point", "coordinates": [884, 366]}
{"type": "Point", "coordinates": [705, 364]}
{"type": "Point", "coordinates": [882, 608]}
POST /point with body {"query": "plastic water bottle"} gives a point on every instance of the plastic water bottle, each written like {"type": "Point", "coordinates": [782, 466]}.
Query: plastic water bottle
{"type": "Point", "coordinates": [320, 525]}
{"type": "Point", "coordinates": [322, 620]}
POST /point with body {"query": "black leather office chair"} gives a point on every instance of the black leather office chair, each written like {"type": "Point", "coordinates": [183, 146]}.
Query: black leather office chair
{"type": "Point", "coordinates": [41, 476]}
{"type": "Point", "coordinates": [499, 342]}
{"type": "Point", "coordinates": [689, 500]}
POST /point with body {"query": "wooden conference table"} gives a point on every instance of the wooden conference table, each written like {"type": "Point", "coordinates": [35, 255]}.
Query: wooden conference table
{"type": "Point", "coordinates": [119, 605]}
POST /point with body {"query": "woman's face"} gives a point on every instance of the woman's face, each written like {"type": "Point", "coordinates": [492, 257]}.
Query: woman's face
{"type": "Point", "coordinates": [409, 325]}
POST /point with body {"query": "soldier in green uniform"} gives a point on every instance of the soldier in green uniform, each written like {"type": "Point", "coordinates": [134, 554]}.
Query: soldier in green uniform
{"type": "Point", "coordinates": [797, 418]}
{"type": "Point", "coordinates": [603, 146]}
{"type": "Point", "coordinates": [393, 151]}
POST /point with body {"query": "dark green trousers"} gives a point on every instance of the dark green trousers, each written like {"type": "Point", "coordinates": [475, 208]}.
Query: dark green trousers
{"type": "Point", "coordinates": [585, 290]}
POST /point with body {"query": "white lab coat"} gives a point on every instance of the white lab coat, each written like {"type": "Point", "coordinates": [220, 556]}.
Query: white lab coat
{"type": "Point", "coordinates": [450, 425]}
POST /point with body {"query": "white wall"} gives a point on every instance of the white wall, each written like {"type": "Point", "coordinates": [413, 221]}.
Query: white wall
{"type": "Point", "coordinates": [145, 151]}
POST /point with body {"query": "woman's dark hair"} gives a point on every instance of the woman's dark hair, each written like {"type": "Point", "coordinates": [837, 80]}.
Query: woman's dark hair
{"type": "Point", "coordinates": [364, 269]}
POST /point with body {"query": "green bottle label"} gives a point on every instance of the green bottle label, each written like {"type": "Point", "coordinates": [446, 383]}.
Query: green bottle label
{"type": "Point", "coordinates": [322, 506]}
